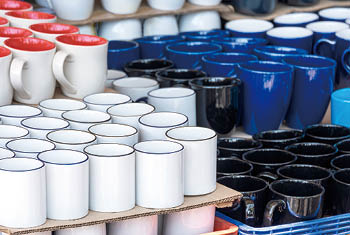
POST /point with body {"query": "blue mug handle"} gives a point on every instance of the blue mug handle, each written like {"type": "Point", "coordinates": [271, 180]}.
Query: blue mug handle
{"type": "Point", "coordinates": [346, 65]}
{"type": "Point", "coordinates": [324, 41]}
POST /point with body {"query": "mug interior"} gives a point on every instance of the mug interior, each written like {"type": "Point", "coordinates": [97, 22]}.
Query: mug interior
{"type": "Point", "coordinates": [19, 111]}
{"type": "Point", "coordinates": [344, 145]}
{"type": "Point", "coordinates": [5, 153]}
{"type": "Point", "coordinates": [304, 172]}
{"type": "Point", "coordinates": [171, 92]}
{"type": "Point", "coordinates": [232, 166]}
{"type": "Point", "coordinates": [116, 46]}
{"type": "Point", "coordinates": [191, 133]}
{"type": "Point", "coordinates": [181, 74]}
{"type": "Point", "coordinates": [311, 149]}
{"type": "Point", "coordinates": [279, 135]}
{"type": "Point", "coordinates": [112, 130]}
{"type": "Point", "coordinates": [109, 150]}
{"type": "Point", "coordinates": [229, 58]}
{"type": "Point", "coordinates": [194, 47]}
{"type": "Point", "coordinates": [31, 15]}
{"type": "Point", "coordinates": [327, 131]}
{"type": "Point", "coordinates": [341, 162]}
{"type": "Point", "coordinates": [135, 82]}
{"type": "Point", "coordinates": [243, 184]}
{"type": "Point", "coordinates": [20, 164]}
{"type": "Point", "coordinates": [71, 137]}
{"type": "Point", "coordinates": [14, 5]}
{"type": "Point", "coordinates": [289, 32]}
{"type": "Point", "coordinates": [327, 26]}
{"type": "Point", "coordinates": [149, 64]}
{"type": "Point", "coordinates": [54, 28]}
{"type": "Point", "coordinates": [296, 18]}
{"type": "Point", "coordinates": [163, 119]}
{"type": "Point", "coordinates": [106, 99]}
{"type": "Point", "coordinates": [29, 44]}
{"type": "Point", "coordinates": [335, 13]}
{"type": "Point", "coordinates": [9, 32]}
{"type": "Point", "coordinates": [265, 67]}
{"type": "Point", "coordinates": [45, 123]}
{"type": "Point", "coordinates": [130, 109]}
{"type": "Point", "coordinates": [159, 39]}
{"type": "Point", "coordinates": [4, 51]}
{"type": "Point", "coordinates": [343, 176]}
{"type": "Point", "coordinates": [158, 147]}
{"type": "Point", "coordinates": [280, 50]}
{"type": "Point", "coordinates": [9, 131]}
{"type": "Point", "coordinates": [308, 61]}
{"type": "Point", "coordinates": [63, 157]}
{"type": "Point", "coordinates": [295, 188]}
{"type": "Point", "coordinates": [30, 145]}
{"type": "Point", "coordinates": [269, 156]}
{"type": "Point", "coordinates": [62, 104]}
{"type": "Point", "coordinates": [249, 25]}
{"type": "Point", "coordinates": [238, 143]}
{"type": "Point", "coordinates": [241, 40]}
{"type": "Point", "coordinates": [86, 116]}
{"type": "Point", "coordinates": [81, 40]}
{"type": "Point", "coordinates": [215, 82]}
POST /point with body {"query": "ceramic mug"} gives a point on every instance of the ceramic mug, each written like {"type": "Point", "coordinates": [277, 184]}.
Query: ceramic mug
{"type": "Point", "coordinates": [56, 107]}
{"type": "Point", "coordinates": [76, 52]}
{"type": "Point", "coordinates": [279, 139]}
{"type": "Point", "coordinates": [298, 19]}
{"type": "Point", "coordinates": [103, 101]}
{"type": "Point", "coordinates": [143, 225]}
{"type": "Point", "coordinates": [277, 53]}
{"type": "Point", "coordinates": [249, 28]}
{"type": "Point", "coordinates": [126, 29]}
{"type": "Point", "coordinates": [14, 114]}
{"type": "Point", "coordinates": [31, 72]}
{"type": "Point", "coordinates": [112, 171]}
{"type": "Point", "coordinates": [147, 67]}
{"type": "Point", "coordinates": [29, 147]}
{"type": "Point", "coordinates": [121, 7]}
{"type": "Point", "coordinates": [172, 5]}
{"type": "Point", "coordinates": [340, 107]}
{"type": "Point", "coordinates": [6, 90]}
{"type": "Point", "coordinates": [6, 6]}
{"type": "Point", "coordinates": [39, 127]}
{"type": "Point", "coordinates": [4, 22]}
{"type": "Point", "coordinates": [71, 139]}
{"type": "Point", "coordinates": [227, 166]}
{"type": "Point", "coordinates": [73, 10]}
{"type": "Point", "coordinates": [5, 153]}
{"type": "Point", "coordinates": [204, 20]}
{"type": "Point", "coordinates": [24, 19]}
{"type": "Point", "coordinates": [239, 44]}
{"type": "Point", "coordinates": [83, 119]}
{"type": "Point", "coordinates": [13, 32]}
{"type": "Point", "coordinates": [334, 14]}
{"type": "Point", "coordinates": [113, 75]}
{"type": "Point", "coordinates": [341, 186]}
{"type": "Point", "coordinates": [228, 147]}
{"type": "Point", "coordinates": [343, 147]}
{"type": "Point", "coordinates": [205, 3]}
{"type": "Point", "coordinates": [49, 31]}
{"type": "Point", "coordinates": [203, 36]}
{"type": "Point", "coordinates": [10, 132]}
{"type": "Point", "coordinates": [342, 161]}
{"type": "Point", "coordinates": [122, 52]}
{"type": "Point", "coordinates": [326, 133]}
{"type": "Point", "coordinates": [160, 25]}
{"type": "Point", "coordinates": [23, 176]}
{"type": "Point", "coordinates": [178, 77]}
{"type": "Point", "coordinates": [98, 229]}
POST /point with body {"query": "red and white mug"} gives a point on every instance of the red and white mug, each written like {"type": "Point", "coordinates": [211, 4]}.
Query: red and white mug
{"type": "Point", "coordinates": [24, 19]}
{"type": "Point", "coordinates": [13, 32]}
{"type": "Point", "coordinates": [11, 5]}
{"type": "Point", "coordinates": [49, 31]}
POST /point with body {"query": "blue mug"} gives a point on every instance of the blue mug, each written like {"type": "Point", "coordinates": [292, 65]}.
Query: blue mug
{"type": "Point", "coordinates": [202, 36]}
{"type": "Point", "coordinates": [122, 52]}
{"type": "Point", "coordinates": [276, 53]}
{"type": "Point", "coordinates": [335, 14]}
{"type": "Point", "coordinates": [313, 85]}
{"type": "Point", "coordinates": [340, 107]}
{"type": "Point", "coordinates": [249, 28]}
{"type": "Point", "coordinates": [152, 47]}
{"type": "Point", "coordinates": [297, 37]}
{"type": "Point", "coordinates": [267, 93]}
{"type": "Point", "coordinates": [187, 55]}
{"type": "Point", "coordinates": [224, 64]}
{"type": "Point", "coordinates": [298, 19]}
{"type": "Point", "coordinates": [340, 48]}
{"type": "Point", "coordinates": [224, 32]}
{"type": "Point", "coordinates": [240, 45]}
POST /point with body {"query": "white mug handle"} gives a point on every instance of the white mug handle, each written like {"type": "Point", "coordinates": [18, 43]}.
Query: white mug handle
{"type": "Point", "coordinates": [58, 71]}
{"type": "Point", "coordinates": [16, 70]}
{"type": "Point", "coordinates": [50, 4]}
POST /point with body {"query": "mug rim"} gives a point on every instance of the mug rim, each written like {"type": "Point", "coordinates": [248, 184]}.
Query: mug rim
{"type": "Point", "coordinates": [137, 150]}
{"type": "Point", "coordinates": [313, 17]}
{"type": "Point", "coordinates": [235, 158]}
{"type": "Point", "coordinates": [160, 76]}
{"type": "Point", "coordinates": [63, 150]}
{"type": "Point", "coordinates": [312, 155]}
{"type": "Point", "coordinates": [331, 31]}
{"type": "Point", "coordinates": [339, 157]}
{"type": "Point", "coordinates": [36, 28]}
{"type": "Point", "coordinates": [304, 166]}
{"type": "Point", "coordinates": [296, 181]}
{"type": "Point", "coordinates": [135, 45]}
{"type": "Point", "coordinates": [85, 122]}
{"type": "Point", "coordinates": [23, 6]}
{"type": "Point", "coordinates": [128, 67]}
{"type": "Point", "coordinates": [109, 112]}
{"type": "Point", "coordinates": [21, 171]}
{"type": "Point", "coordinates": [22, 105]}
{"type": "Point", "coordinates": [176, 97]}
{"type": "Point", "coordinates": [268, 25]}
{"type": "Point", "coordinates": [266, 63]}
{"type": "Point", "coordinates": [67, 143]}
{"type": "Point", "coordinates": [160, 41]}
{"type": "Point", "coordinates": [269, 150]}
{"type": "Point", "coordinates": [55, 109]}
{"type": "Point", "coordinates": [258, 136]}
{"type": "Point", "coordinates": [104, 93]}
{"type": "Point", "coordinates": [247, 176]}
{"type": "Point", "coordinates": [191, 140]}
{"type": "Point", "coordinates": [193, 43]}
{"type": "Point", "coordinates": [207, 58]}
{"type": "Point", "coordinates": [109, 156]}
{"type": "Point", "coordinates": [19, 40]}
{"type": "Point", "coordinates": [22, 15]}
{"type": "Point", "coordinates": [186, 121]}
{"type": "Point", "coordinates": [45, 129]}
{"type": "Point", "coordinates": [102, 41]}
{"type": "Point", "coordinates": [7, 150]}
{"type": "Point", "coordinates": [260, 145]}
{"type": "Point", "coordinates": [233, 40]}
{"type": "Point", "coordinates": [261, 49]}
{"type": "Point", "coordinates": [339, 181]}
{"type": "Point", "coordinates": [308, 56]}
{"type": "Point", "coordinates": [326, 125]}
{"type": "Point", "coordinates": [18, 139]}
{"type": "Point", "coordinates": [325, 12]}
{"type": "Point", "coordinates": [276, 29]}
{"type": "Point", "coordinates": [119, 124]}
{"type": "Point", "coordinates": [234, 82]}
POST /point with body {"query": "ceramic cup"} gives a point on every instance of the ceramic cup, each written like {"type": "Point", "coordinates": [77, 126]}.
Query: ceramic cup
{"type": "Point", "coordinates": [265, 106]}
{"type": "Point", "coordinates": [166, 180]}
{"type": "Point", "coordinates": [144, 225]}
{"type": "Point", "coordinates": [187, 55]}
{"type": "Point", "coordinates": [223, 114]}
{"type": "Point", "coordinates": [147, 67]}
{"type": "Point", "coordinates": [124, 29]}
{"type": "Point", "coordinates": [228, 147]}
{"type": "Point", "coordinates": [6, 90]}
{"type": "Point", "coordinates": [341, 186]}
{"type": "Point", "coordinates": [115, 133]}
{"type": "Point", "coordinates": [227, 166]}
{"type": "Point", "coordinates": [103, 101]}
{"type": "Point", "coordinates": [334, 14]}
{"type": "Point", "coordinates": [113, 75]}
{"type": "Point", "coordinates": [3, 21]}
{"type": "Point", "coordinates": [298, 19]}
{"type": "Point", "coordinates": [175, 99]}
{"type": "Point", "coordinates": [5, 153]}
{"type": "Point", "coordinates": [76, 52]}
{"type": "Point", "coordinates": [89, 29]}
{"type": "Point", "coordinates": [326, 133]}
{"type": "Point", "coordinates": [340, 107]}
{"type": "Point", "coordinates": [13, 32]}
{"type": "Point", "coordinates": [14, 114]}
{"type": "Point", "coordinates": [24, 19]}
{"type": "Point", "coordinates": [279, 139]}
{"type": "Point", "coordinates": [31, 72]}
{"type": "Point", "coordinates": [121, 7]}
{"type": "Point", "coordinates": [6, 6]}
{"type": "Point", "coordinates": [10, 132]}
{"type": "Point", "coordinates": [199, 158]}
{"type": "Point", "coordinates": [224, 64]}
{"type": "Point", "coordinates": [250, 28]}
{"type": "Point", "coordinates": [160, 25]}
{"type": "Point", "coordinates": [129, 113]}
{"type": "Point", "coordinates": [178, 77]}
{"type": "Point", "coordinates": [204, 20]}
{"type": "Point", "coordinates": [313, 77]}
{"type": "Point", "coordinates": [121, 52]}
{"type": "Point", "coordinates": [205, 3]}
{"type": "Point", "coordinates": [343, 147]}
{"type": "Point", "coordinates": [23, 176]}
{"type": "Point", "coordinates": [277, 53]}
{"type": "Point", "coordinates": [98, 229]}
{"type": "Point", "coordinates": [83, 119]}
{"type": "Point", "coordinates": [153, 126]}
{"type": "Point", "coordinates": [73, 10]}
{"type": "Point", "coordinates": [239, 44]}
{"type": "Point", "coordinates": [112, 171]}
{"type": "Point", "coordinates": [203, 36]}
{"type": "Point", "coordinates": [71, 139]}
{"type": "Point", "coordinates": [29, 147]}
{"type": "Point", "coordinates": [39, 127]}
{"type": "Point", "coordinates": [341, 161]}
{"type": "Point", "coordinates": [56, 107]}
{"type": "Point", "coordinates": [135, 87]}
{"type": "Point", "coordinates": [166, 6]}
{"type": "Point", "coordinates": [49, 31]}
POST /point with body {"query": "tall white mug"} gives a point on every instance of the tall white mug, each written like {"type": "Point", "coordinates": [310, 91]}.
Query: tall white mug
{"type": "Point", "coordinates": [29, 147]}
{"type": "Point", "coordinates": [24, 19]}
{"type": "Point", "coordinates": [14, 114]}
{"type": "Point", "coordinates": [71, 139]}
{"type": "Point", "coordinates": [39, 127]}
{"type": "Point", "coordinates": [98, 229]}
{"type": "Point", "coordinates": [6, 90]}
{"type": "Point", "coordinates": [143, 225]}
{"type": "Point", "coordinates": [73, 10]}
{"type": "Point", "coordinates": [56, 107]}
{"type": "Point", "coordinates": [10, 132]}
{"type": "Point", "coordinates": [49, 31]}
{"type": "Point", "coordinates": [83, 119]}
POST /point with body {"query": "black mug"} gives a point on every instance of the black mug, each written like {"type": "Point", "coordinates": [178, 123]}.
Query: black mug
{"type": "Point", "coordinates": [147, 67]}
{"type": "Point", "coordinates": [341, 162]}
{"type": "Point", "coordinates": [232, 166]}
{"type": "Point", "coordinates": [326, 133]}
{"type": "Point", "coordinates": [178, 77]}
{"type": "Point", "coordinates": [293, 201]}
{"type": "Point", "coordinates": [313, 153]}
{"type": "Point", "coordinates": [219, 103]}
{"type": "Point", "coordinates": [251, 208]}
{"type": "Point", "coordinates": [279, 138]}
{"type": "Point", "coordinates": [236, 146]}
{"type": "Point", "coordinates": [343, 147]}
{"type": "Point", "coordinates": [341, 191]}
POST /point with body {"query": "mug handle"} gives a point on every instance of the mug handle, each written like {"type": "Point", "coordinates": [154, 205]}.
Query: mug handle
{"type": "Point", "coordinates": [58, 71]}
{"type": "Point", "coordinates": [268, 176]}
{"type": "Point", "coordinates": [49, 3]}
{"type": "Point", "coordinates": [142, 100]}
{"type": "Point", "coordinates": [345, 64]}
{"type": "Point", "coordinates": [16, 70]}
{"type": "Point", "coordinates": [249, 209]}
{"type": "Point", "coordinates": [270, 210]}
{"type": "Point", "coordinates": [323, 41]}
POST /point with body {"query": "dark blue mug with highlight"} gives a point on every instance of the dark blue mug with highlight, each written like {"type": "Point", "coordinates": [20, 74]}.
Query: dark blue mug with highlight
{"type": "Point", "coordinates": [202, 36]}
{"type": "Point", "coordinates": [276, 53]}
{"type": "Point", "coordinates": [122, 52]}
{"type": "Point", "coordinates": [239, 45]}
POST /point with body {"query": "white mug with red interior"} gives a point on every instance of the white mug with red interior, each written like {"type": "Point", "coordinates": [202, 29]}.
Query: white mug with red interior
{"type": "Point", "coordinates": [13, 32]}
{"type": "Point", "coordinates": [49, 31]}
{"type": "Point", "coordinates": [11, 5]}
{"type": "Point", "coordinates": [6, 90]}
{"type": "Point", "coordinates": [4, 22]}
{"type": "Point", "coordinates": [24, 19]}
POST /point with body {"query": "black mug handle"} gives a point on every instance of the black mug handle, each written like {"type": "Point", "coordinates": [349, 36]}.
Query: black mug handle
{"type": "Point", "coordinates": [142, 100]}
{"type": "Point", "coordinates": [323, 41]}
{"type": "Point", "coordinates": [249, 210]}
{"type": "Point", "coordinates": [268, 176]}
{"type": "Point", "coordinates": [346, 65]}
{"type": "Point", "coordinates": [270, 210]}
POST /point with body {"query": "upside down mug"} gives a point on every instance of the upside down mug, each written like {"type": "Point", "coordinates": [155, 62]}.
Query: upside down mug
{"type": "Point", "coordinates": [6, 90]}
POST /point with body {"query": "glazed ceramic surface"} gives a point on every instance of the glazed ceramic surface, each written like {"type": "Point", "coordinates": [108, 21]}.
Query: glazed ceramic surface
{"type": "Point", "coordinates": [122, 52]}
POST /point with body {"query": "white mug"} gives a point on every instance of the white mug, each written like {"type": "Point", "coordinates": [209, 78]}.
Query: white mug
{"type": "Point", "coordinates": [49, 31]}
{"type": "Point", "coordinates": [31, 72]}
{"type": "Point", "coordinates": [24, 19]}
{"type": "Point", "coordinates": [67, 171]}
{"type": "Point", "coordinates": [6, 6]}
{"type": "Point", "coordinates": [83, 119]}
{"type": "Point", "coordinates": [98, 229]}
{"type": "Point", "coordinates": [13, 32]}
{"type": "Point", "coordinates": [24, 203]}
{"type": "Point", "coordinates": [44, 3]}
{"type": "Point", "coordinates": [39, 127]}
{"type": "Point", "coordinates": [135, 87]}
{"type": "Point", "coordinates": [127, 29]}
{"type": "Point", "coordinates": [103, 101]}
{"type": "Point", "coordinates": [6, 90]}
{"type": "Point", "coordinates": [199, 158]}
{"type": "Point", "coordinates": [113, 75]}
{"type": "Point", "coordinates": [161, 186]}
{"type": "Point", "coordinates": [198, 21]}
{"type": "Point", "coordinates": [120, 6]}
{"type": "Point", "coordinates": [144, 225]}
{"type": "Point", "coordinates": [14, 114]}
{"type": "Point", "coordinates": [129, 113]}
{"type": "Point", "coordinates": [112, 177]}
{"type": "Point", "coordinates": [160, 25]}
{"type": "Point", "coordinates": [168, 5]}
{"type": "Point", "coordinates": [175, 99]}
{"type": "Point", "coordinates": [115, 133]}
{"type": "Point", "coordinates": [335, 13]}
{"type": "Point", "coordinates": [71, 139]}
{"type": "Point", "coordinates": [153, 126]}
{"type": "Point", "coordinates": [205, 2]}
{"type": "Point", "coordinates": [10, 132]}
{"type": "Point", "coordinates": [5, 153]}
{"type": "Point", "coordinates": [73, 10]}
{"type": "Point", "coordinates": [56, 107]}
{"type": "Point", "coordinates": [87, 29]}
{"type": "Point", "coordinates": [29, 147]}
{"type": "Point", "coordinates": [76, 53]}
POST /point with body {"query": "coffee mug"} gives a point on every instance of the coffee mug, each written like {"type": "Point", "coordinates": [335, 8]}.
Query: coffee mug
{"type": "Point", "coordinates": [343, 147]}
{"type": "Point", "coordinates": [14, 114]}
{"type": "Point", "coordinates": [227, 166]}
{"type": "Point", "coordinates": [202, 36]}
{"type": "Point", "coordinates": [341, 187]}
{"type": "Point", "coordinates": [98, 229]}
{"type": "Point", "coordinates": [147, 67]}
{"type": "Point", "coordinates": [73, 10]}
{"type": "Point", "coordinates": [3, 21]}
{"type": "Point", "coordinates": [135, 87]}
{"type": "Point", "coordinates": [341, 162]}
{"type": "Point", "coordinates": [334, 14]}
{"type": "Point", "coordinates": [29, 147]}
{"type": "Point", "coordinates": [279, 138]}
{"type": "Point", "coordinates": [6, 90]}
{"type": "Point", "coordinates": [249, 28]}
{"type": "Point", "coordinates": [297, 200]}
{"type": "Point", "coordinates": [56, 107]}
{"type": "Point", "coordinates": [83, 119]}
{"type": "Point", "coordinates": [223, 114]}
{"type": "Point", "coordinates": [6, 6]}
{"type": "Point", "coordinates": [71, 139]}
{"type": "Point", "coordinates": [39, 127]}
{"type": "Point", "coordinates": [147, 225]}
{"type": "Point", "coordinates": [10, 132]}
{"type": "Point", "coordinates": [205, 2]}
{"type": "Point", "coordinates": [123, 29]}
{"type": "Point", "coordinates": [228, 147]}
{"type": "Point", "coordinates": [121, 7]}
{"type": "Point", "coordinates": [326, 133]}
{"type": "Point", "coordinates": [24, 19]}
{"type": "Point", "coordinates": [76, 52]}
{"type": "Point", "coordinates": [267, 93]}
{"type": "Point", "coordinates": [178, 77]}
{"type": "Point", "coordinates": [239, 44]}
{"type": "Point", "coordinates": [5, 153]}
{"type": "Point", "coordinates": [298, 19]}
{"type": "Point", "coordinates": [203, 20]}
{"type": "Point", "coordinates": [171, 5]}
{"type": "Point", "coordinates": [314, 76]}
{"type": "Point", "coordinates": [160, 25]}
{"type": "Point", "coordinates": [122, 52]}
{"type": "Point", "coordinates": [340, 107]}
{"type": "Point", "coordinates": [31, 72]}
{"type": "Point", "coordinates": [113, 75]}
{"type": "Point", "coordinates": [276, 53]}
{"type": "Point", "coordinates": [13, 32]}
{"type": "Point", "coordinates": [49, 31]}
{"type": "Point", "coordinates": [103, 101]}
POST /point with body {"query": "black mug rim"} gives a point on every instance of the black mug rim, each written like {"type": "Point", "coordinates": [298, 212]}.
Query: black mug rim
{"type": "Point", "coordinates": [260, 145]}
{"type": "Point", "coordinates": [339, 181]}
{"type": "Point", "coordinates": [269, 164]}
{"type": "Point", "coordinates": [312, 155]}
{"type": "Point", "coordinates": [304, 166]}
{"type": "Point", "coordinates": [336, 158]}
{"type": "Point", "coordinates": [160, 74]}
{"type": "Point", "coordinates": [259, 136]}
{"type": "Point", "coordinates": [234, 158]}
{"type": "Point", "coordinates": [234, 82]}
{"type": "Point", "coordinates": [298, 181]}
{"type": "Point", "coordinates": [250, 177]}
{"type": "Point", "coordinates": [326, 125]}
{"type": "Point", "coordinates": [128, 68]}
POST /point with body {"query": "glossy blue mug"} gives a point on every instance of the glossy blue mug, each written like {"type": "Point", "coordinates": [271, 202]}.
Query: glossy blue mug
{"type": "Point", "coordinates": [334, 13]}
{"type": "Point", "coordinates": [313, 85]}
{"type": "Point", "coordinates": [224, 64]}
{"type": "Point", "coordinates": [249, 28]}
{"type": "Point", "coordinates": [298, 19]}
{"type": "Point", "coordinates": [122, 52]}
{"type": "Point", "coordinates": [239, 45]}
{"type": "Point", "coordinates": [340, 107]}
{"type": "Point", "coordinates": [187, 55]}
{"type": "Point", "coordinates": [276, 53]}
{"type": "Point", "coordinates": [202, 36]}
{"type": "Point", "coordinates": [267, 92]}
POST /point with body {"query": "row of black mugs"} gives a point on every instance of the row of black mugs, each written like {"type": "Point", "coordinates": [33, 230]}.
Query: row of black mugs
{"type": "Point", "coordinates": [287, 176]}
